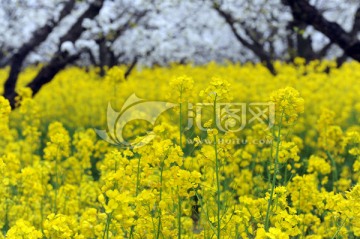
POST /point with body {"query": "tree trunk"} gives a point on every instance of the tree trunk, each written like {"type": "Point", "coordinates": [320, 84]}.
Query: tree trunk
{"type": "Point", "coordinates": [47, 73]}
{"type": "Point", "coordinates": [39, 36]}
{"type": "Point", "coordinates": [60, 59]}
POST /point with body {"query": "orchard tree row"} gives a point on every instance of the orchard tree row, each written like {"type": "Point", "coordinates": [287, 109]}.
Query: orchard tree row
{"type": "Point", "coordinates": [105, 33]}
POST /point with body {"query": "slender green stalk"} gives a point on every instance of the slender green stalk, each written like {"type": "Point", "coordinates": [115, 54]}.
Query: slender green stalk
{"type": "Point", "coordinates": [179, 198]}
{"type": "Point", "coordinates": [338, 230]}
{"type": "Point", "coordinates": [6, 225]}
{"type": "Point", "coordinates": [107, 226]}
{"type": "Point", "coordinates": [109, 215]}
{"type": "Point", "coordinates": [160, 192]}
{"type": "Point", "coordinates": [278, 141]}
{"type": "Point", "coordinates": [180, 118]}
{"type": "Point", "coordinates": [137, 178]}
{"type": "Point", "coordinates": [43, 199]}
{"type": "Point", "coordinates": [217, 174]}
{"type": "Point", "coordinates": [333, 163]}
{"type": "Point", "coordinates": [136, 192]}
{"type": "Point", "coordinates": [217, 165]}
{"type": "Point", "coordinates": [334, 171]}
{"type": "Point", "coordinates": [285, 175]}
{"type": "Point", "coordinates": [42, 215]}
{"type": "Point", "coordinates": [179, 216]}
{"type": "Point", "coordinates": [56, 180]}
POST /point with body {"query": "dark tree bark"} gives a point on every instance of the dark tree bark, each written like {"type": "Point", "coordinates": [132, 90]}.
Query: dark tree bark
{"type": "Point", "coordinates": [5, 55]}
{"type": "Point", "coordinates": [103, 52]}
{"type": "Point", "coordinates": [356, 25]}
{"type": "Point", "coordinates": [60, 59]}
{"type": "Point", "coordinates": [47, 73]}
{"type": "Point", "coordinates": [39, 36]}
{"type": "Point", "coordinates": [323, 51]}
{"type": "Point", "coordinates": [106, 54]}
{"type": "Point", "coordinates": [131, 67]}
{"type": "Point", "coordinates": [91, 56]}
{"type": "Point", "coordinates": [304, 47]}
{"type": "Point", "coordinates": [77, 29]}
{"type": "Point", "coordinates": [4, 59]}
{"type": "Point", "coordinates": [303, 11]}
{"type": "Point", "coordinates": [354, 31]}
{"type": "Point", "coordinates": [254, 45]}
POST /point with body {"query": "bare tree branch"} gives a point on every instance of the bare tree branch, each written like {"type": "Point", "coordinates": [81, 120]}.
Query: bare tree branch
{"type": "Point", "coordinates": [131, 67]}
{"type": "Point", "coordinates": [323, 51]}
{"type": "Point", "coordinates": [255, 46]}
{"type": "Point", "coordinates": [106, 54]}
{"type": "Point", "coordinates": [303, 11]}
{"type": "Point", "coordinates": [91, 56]}
{"type": "Point", "coordinates": [356, 26]}
{"type": "Point", "coordinates": [48, 72]}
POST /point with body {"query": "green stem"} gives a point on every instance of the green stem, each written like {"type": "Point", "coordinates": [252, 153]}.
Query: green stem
{"type": "Point", "coordinates": [180, 118]}
{"type": "Point", "coordinates": [334, 171]}
{"type": "Point", "coordinates": [107, 226]}
{"type": "Point", "coordinates": [136, 192]}
{"type": "Point", "coordinates": [179, 216]}
{"type": "Point", "coordinates": [56, 182]}
{"type": "Point", "coordinates": [217, 172]}
{"type": "Point", "coordinates": [278, 140]}
{"type": "Point", "coordinates": [179, 198]}
{"type": "Point", "coordinates": [137, 178]}
{"type": "Point", "coordinates": [161, 179]}
{"type": "Point", "coordinates": [338, 230]}
{"type": "Point", "coordinates": [108, 218]}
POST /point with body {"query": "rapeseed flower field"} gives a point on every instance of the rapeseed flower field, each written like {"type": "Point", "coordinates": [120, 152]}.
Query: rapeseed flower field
{"type": "Point", "coordinates": [290, 171]}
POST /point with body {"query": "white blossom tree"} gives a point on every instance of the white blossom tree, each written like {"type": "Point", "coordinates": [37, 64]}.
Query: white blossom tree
{"type": "Point", "coordinates": [147, 32]}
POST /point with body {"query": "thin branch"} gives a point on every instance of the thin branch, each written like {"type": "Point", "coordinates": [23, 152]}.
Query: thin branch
{"type": "Point", "coordinates": [131, 67]}
{"type": "Point", "coordinates": [356, 25]}
{"type": "Point", "coordinates": [255, 46]}
{"type": "Point", "coordinates": [323, 51]}
{"type": "Point", "coordinates": [303, 11]}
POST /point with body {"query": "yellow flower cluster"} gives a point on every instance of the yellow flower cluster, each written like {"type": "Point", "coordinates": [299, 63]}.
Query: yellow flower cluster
{"type": "Point", "coordinates": [288, 104]}
{"type": "Point", "coordinates": [23, 229]}
{"type": "Point", "coordinates": [181, 88]}
{"type": "Point", "coordinates": [319, 165]}
{"type": "Point", "coordinates": [295, 178]}
{"type": "Point", "coordinates": [218, 90]}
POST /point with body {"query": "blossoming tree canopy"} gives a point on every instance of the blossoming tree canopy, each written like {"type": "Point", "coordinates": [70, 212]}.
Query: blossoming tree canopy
{"type": "Point", "coordinates": [187, 30]}
{"type": "Point", "coordinates": [105, 33]}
